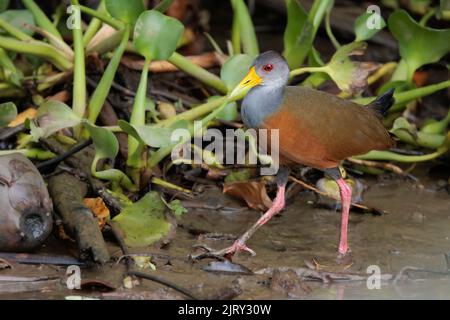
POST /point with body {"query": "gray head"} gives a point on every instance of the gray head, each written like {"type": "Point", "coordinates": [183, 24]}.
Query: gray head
{"type": "Point", "coordinates": [269, 70]}
{"type": "Point", "coordinates": [272, 68]}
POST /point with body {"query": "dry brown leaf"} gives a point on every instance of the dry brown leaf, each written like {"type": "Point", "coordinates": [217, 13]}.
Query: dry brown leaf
{"type": "Point", "coordinates": [30, 113]}
{"type": "Point", "coordinates": [253, 192]}
{"type": "Point", "coordinates": [100, 210]}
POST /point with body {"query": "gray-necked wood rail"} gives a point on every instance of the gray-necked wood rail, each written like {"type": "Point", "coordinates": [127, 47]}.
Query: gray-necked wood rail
{"type": "Point", "coordinates": [316, 129]}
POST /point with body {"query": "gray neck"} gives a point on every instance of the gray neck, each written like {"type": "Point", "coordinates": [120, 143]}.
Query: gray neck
{"type": "Point", "coordinates": [259, 103]}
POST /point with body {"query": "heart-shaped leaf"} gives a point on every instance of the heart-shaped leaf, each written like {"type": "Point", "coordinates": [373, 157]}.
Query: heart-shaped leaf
{"type": "Point", "coordinates": [143, 223]}
{"type": "Point", "coordinates": [156, 35]}
{"type": "Point", "coordinates": [52, 116]}
{"type": "Point", "coordinates": [419, 45]}
{"type": "Point", "coordinates": [151, 136]}
{"type": "Point", "coordinates": [105, 142]}
{"type": "Point", "coordinates": [8, 112]}
{"type": "Point", "coordinates": [366, 25]}
{"type": "Point", "coordinates": [19, 19]}
{"type": "Point", "coordinates": [235, 69]}
{"type": "Point", "coordinates": [127, 11]}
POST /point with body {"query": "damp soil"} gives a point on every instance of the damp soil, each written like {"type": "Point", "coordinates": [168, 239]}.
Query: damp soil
{"type": "Point", "coordinates": [411, 238]}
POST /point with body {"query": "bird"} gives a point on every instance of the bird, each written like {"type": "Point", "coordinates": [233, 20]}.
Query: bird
{"type": "Point", "coordinates": [316, 129]}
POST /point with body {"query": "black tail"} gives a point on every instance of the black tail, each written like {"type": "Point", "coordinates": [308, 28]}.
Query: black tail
{"type": "Point", "coordinates": [382, 104]}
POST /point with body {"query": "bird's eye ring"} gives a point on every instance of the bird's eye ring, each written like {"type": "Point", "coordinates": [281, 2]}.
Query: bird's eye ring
{"type": "Point", "coordinates": [268, 67]}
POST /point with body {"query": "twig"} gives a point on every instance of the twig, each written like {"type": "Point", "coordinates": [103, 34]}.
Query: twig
{"type": "Point", "coordinates": [144, 275]}
{"type": "Point", "coordinates": [61, 157]}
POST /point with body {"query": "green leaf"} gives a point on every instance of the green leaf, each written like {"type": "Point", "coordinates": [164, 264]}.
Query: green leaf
{"type": "Point", "coordinates": [229, 112]}
{"type": "Point", "coordinates": [177, 208]}
{"type": "Point", "coordinates": [408, 133]}
{"type": "Point", "coordinates": [51, 117]}
{"type": "Point", "coordinates": [105, 142]}
{"type": "Point", "coordinates": [19, 19]}
{"type": "Point", "coordinates": [418, 45]}
{"type": "Point", "coordinates": [245, 27]}
{"type": "Point", "coordinates": [350, 76]}
{"type": "Point", "coordinates": [300, 32]}
{"type": "Point", "coordinates": [126, 11]}
{"type": "Point", "coordinates": [296, 19]}
{"type": "Point", "coordinates": [156, 35]}
{"type": "Point", "coordinates": [362, 32]}
{"type": "Point", "coordinates": [8, 112]}
{"type": "Point", "coordinates": [4, 5]}
{"type": "Point", "coordinates": [155, 137]}
{"type": "Point", "coordinates": [143, 223]}
{"type": "Point", "coordinates": [235, 69]}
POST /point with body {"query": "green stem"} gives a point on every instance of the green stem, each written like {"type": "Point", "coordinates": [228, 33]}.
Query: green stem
{"type": "Point", "coordinates": [427, 16]}
{"type": "Point", "coordinates": [193, 113]}
{"type": "Point", "coordinates": [113, 175]}
{"type": "Point", "coordinates": [163, 6]}
{"type": "Point", "coordinates": [94, 25]}
{"type": "Point", "coordinates": [79, 74]}
{"type": "Point", "coordinates": [402, 98]}
{"type": "Point", "coordinates": [15, 32]}
{"type": "Point", "coordinates": [101, 92]}
{"type": "Point", "coordinates": [201, 74]}
{"type": "Point", "coordinates": [245, 26]}
{"type": "Point", "coordinates": [41, 19]}
{"type": "Point", "coordinates": [36, 48]}
{"type": "Point", "coordinates": [330, 34]}
{"type": "Point", "coordinates": [116, 24]}
{"type": "Point", "coordinates": [135, 149]}
{"type": "Point", "coordinates": [391, 156]}
{"type": "Point", "coordinates": [235, 36]}
{"type": "Point", "coordinates": [299, 71]}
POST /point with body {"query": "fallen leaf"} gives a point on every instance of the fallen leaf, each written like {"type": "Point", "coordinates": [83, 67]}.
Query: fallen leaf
{"type": "Point", "coordinates": [30, 113]}
{"type": "Point", "coordinates": [144, 222]}
{"type": "Point", "coordinates": [99, 209]}
{"type": "Point", "coordinates": [254, 193]}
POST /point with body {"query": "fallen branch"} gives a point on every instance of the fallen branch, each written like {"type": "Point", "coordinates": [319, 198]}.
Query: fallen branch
{"type": "Point", "coordinates": [67, 193]}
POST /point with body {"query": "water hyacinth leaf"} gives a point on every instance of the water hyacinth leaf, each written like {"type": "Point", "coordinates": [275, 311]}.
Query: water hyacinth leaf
{"type": "Point", "coordinates": [235, 69]}
{"type": "Point", "coordinates": [229, 112]}
{"type": "Point", "coordinates": [296, 18]}
{"type": "Point", "coordinates": [418, 45]}
{"type": "Point", "coordinates": [156, 35]}
{"type": "Point", "coordinates": [151, 136]}
{"type": "Point", "coordinates": [51, 117]}
{"type": "Point", "coordinates": [127, 11]}
{"type": "Point", "coordinates": [362, 23]}
{"type": "Point", "coordinates": [8, 112]}
{"type": "Point", "coordinates": [19, 19]}
{"type": "Point", "coordinates": [301, 36]}
{"type": "Point", "coordinates": [408, 133]}
{"type": "Point", "coordinates": [350, 76]}
{"type": "Point", "coordinates": [105, 142]}
{"type": "Point", "coordinates": [143, 223]}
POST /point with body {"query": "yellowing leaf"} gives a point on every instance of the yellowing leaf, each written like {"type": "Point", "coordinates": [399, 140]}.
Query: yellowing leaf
{"type": "Point", "coordinates": [99, 209]}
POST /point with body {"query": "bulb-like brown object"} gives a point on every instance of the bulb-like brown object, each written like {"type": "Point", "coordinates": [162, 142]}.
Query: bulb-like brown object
{"type": "Point", "coordinates": [25, 206]}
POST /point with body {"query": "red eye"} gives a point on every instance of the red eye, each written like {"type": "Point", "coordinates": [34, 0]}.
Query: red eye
{"type": "Point", "coordinates": [268, 67]}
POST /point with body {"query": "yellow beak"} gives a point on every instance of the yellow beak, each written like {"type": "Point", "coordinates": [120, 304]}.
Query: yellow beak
{"type": "Point", "coordinates": [251, 79]}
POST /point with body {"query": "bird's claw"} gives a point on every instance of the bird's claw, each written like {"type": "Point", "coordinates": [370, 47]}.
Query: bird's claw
{"type": "Point", "coordinates": [223, 254]}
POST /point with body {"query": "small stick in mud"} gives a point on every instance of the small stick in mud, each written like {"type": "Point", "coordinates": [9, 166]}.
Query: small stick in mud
{"type": "Point", "coordinates": [144, 275]}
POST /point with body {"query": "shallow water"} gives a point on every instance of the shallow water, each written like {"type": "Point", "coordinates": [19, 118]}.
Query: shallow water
{"type": "Point", "coordinates": [414, 233]}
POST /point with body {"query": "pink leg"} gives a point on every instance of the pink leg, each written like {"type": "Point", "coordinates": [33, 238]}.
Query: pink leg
{"type": "Point", "coordinates": [277, 206]}
{"type": "Point", "coordinates": [346, 197]}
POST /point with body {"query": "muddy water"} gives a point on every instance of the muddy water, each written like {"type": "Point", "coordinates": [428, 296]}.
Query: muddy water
{"type": "Point", "coordinates": [414, 233]}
